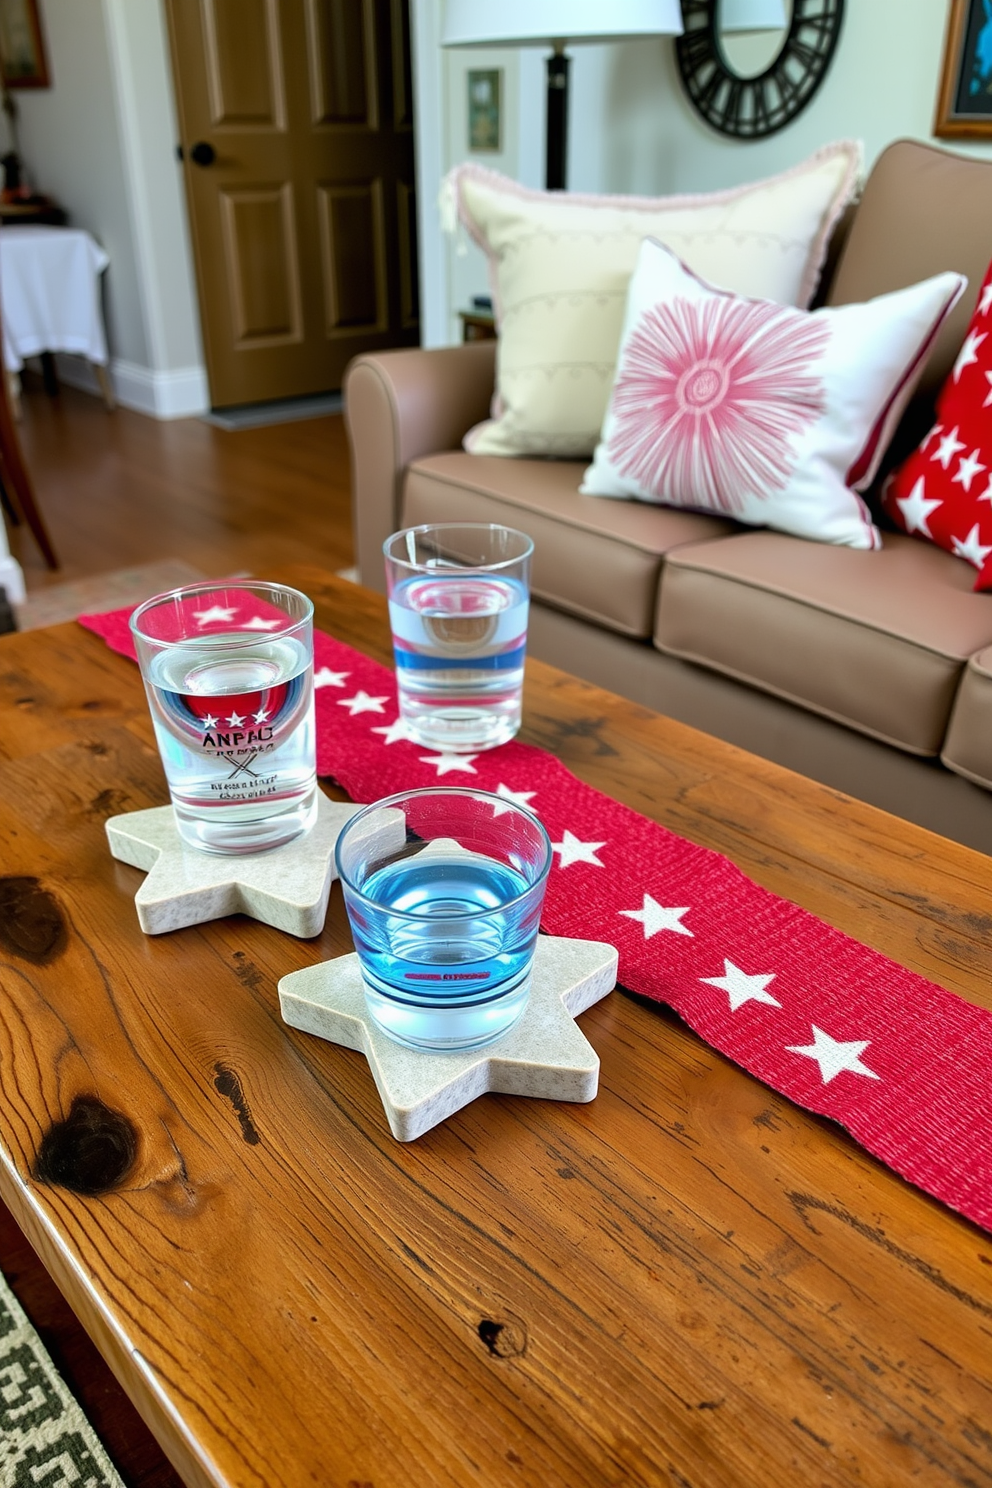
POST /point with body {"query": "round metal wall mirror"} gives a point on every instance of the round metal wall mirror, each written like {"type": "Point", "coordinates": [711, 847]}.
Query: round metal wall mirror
{"type": "Point", "coordinates": [751, 101]}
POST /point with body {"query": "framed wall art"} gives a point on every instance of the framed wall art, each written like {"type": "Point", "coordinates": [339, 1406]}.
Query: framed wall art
{"type": "Point", "coordinates": [484, 112]}
{"type": "Point", "coordinates": [964, 102]}
{"type": "Point", "coordinates": [23, 63]}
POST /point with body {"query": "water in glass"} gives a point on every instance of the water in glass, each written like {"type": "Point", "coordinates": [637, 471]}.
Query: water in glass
{"type": "Point", "coordinates": [235, 731]}
{"type": "Point", "coordinates": [459, 643]}
{"type": "Point", "coordinates": [443, 890]}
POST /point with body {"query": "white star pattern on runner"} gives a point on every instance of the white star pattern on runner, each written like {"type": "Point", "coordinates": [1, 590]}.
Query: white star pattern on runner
{"type": "Point", "coordinates": [236, 720]}
{"type": "Point", "coordinates": [986, 495]}
{"type": "Point", "coordinates": [968, 354]}
{"type": "Point", "coordinates": [214, 615]}
{"type": "Point", "coordinates": [834, 1055]}
{"type": "Point", "coordinates": [741, 988]}
{"type": "Point", "coordinates": [445, 763]}
{"type": "Point", "coordinates": [262, 716]}
{"type": "Point", "coordinates": [948, 448]}
{"type": "Point", "coordinates": [512, 798]}
{"type": "Point", "coordinates": [654, 917]}
{"type": "Point", "coordinates": [985, 303]}
{"type": "Point", "coordinates": [326, 678]}
{"type": "Point", "coordinates": [988, 400]}
{"type": "Point", "coordinates": [257, 623]}
{"type": "Point", "coordinates": [916, 508]}
{"type": "Point", "coordinates": [967, 470]}
{"type": "Point", "coordinates": [574, 851]}
{"type": "Point", "coordinates": [937, 429]}
{"type": "Point", "coordinates": [362, 703]}
{"type": "Point", "coordinates": [971, 548]}
{"type": "Point", "coordinates": [393, 732]}
{"type": "Point", "coordinates": [209, 721]}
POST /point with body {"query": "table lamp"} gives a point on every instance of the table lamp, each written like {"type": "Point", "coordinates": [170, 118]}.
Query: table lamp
{"type": "Point", "coordinates": [555, 23]}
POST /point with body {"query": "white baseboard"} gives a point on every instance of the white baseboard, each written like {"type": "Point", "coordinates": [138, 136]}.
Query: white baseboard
{"type": "Point", "coordinates": [11, 578]}
{"type": "Point", "coordinates": [164, 395]}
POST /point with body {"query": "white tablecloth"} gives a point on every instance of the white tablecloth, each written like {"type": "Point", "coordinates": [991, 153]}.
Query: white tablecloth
{"type": "Point", "coordinates": [50, 293]}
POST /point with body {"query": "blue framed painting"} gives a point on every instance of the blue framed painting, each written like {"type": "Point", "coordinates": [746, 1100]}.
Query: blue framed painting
{"type": "Point", "coordinates": [964, 103]}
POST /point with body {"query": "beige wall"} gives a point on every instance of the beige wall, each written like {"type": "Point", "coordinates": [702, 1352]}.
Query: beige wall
{"type": "Point", "coordinates": [102, 141]}
{"type": "Point", "coordinates": [633, 130]}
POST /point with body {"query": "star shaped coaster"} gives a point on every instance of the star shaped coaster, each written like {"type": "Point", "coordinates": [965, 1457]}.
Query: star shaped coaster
{"type": "Point", "coordinates": [543, 1054]}
{"type": "Point", "coordinates": [286, 887]}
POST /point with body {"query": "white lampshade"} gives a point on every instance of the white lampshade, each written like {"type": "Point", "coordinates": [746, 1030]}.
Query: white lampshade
{"type": "Point", "coordinates": [539, 22]}
{"type": "Point", "coordinates": [751, 15]}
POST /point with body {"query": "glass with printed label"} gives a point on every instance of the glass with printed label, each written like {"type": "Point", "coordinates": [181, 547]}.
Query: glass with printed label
{"type": "Point", "coordinates": [228, 669]}
{"type": "Point", "coordinates": [443, 890]}
{"type": "Point", "coordinates": [458, 602]}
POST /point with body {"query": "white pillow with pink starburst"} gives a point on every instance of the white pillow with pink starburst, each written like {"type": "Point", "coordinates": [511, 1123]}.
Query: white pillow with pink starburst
{"type": "Point", "coordinates": [773, 416]}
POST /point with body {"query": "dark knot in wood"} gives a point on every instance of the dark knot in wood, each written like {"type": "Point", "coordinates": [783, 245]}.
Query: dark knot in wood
{"type": "Point", "coordinates": [32, 924]}
{"type": "Point", "coordinates": [228, 1085]}
{"type": "Point", "coordinates": [91, 1152]}
{"type": "Point", "coordinates": [506, 1339]}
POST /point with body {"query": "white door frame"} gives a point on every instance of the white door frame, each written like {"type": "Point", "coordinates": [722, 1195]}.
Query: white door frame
{"type": "Point", "coordinates": [429, 136]}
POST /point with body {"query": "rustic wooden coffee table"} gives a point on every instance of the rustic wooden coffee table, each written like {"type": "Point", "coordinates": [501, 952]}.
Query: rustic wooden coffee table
{"type": "Point", "coordinates": [687, 1282]}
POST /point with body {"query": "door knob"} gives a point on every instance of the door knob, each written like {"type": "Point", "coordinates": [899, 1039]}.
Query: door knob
{"type": "Point", "coordinates": [203, 153]}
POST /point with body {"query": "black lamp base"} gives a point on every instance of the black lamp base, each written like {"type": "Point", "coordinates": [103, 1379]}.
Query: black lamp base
{"type": "Point", "coordinates": [557, 126]}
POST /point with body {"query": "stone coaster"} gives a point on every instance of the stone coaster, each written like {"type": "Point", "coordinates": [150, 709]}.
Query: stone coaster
{"type": "Point", "coordinates": [286, 887]}
{"type": "Point", "coordinates": [543, 1054]}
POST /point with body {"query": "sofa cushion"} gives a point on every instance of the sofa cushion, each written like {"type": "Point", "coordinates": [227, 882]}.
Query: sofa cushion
{"type": "Point", "coordinates": [559, 263]}
{"type": "Point", "coordinates": [924, 210]}
{"type": "Point", "coordinates": [875, 640]}
{"type": "Point", "coordinates": [943, 492]}
{"type": "Point", "coordinates": [968, 747]}
{"type": "Point", "coordinates": [597, 559]}
{"type": "Point", "coordinates": [771, 415]}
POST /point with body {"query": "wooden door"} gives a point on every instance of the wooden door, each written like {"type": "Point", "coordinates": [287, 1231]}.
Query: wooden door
{"type": "Point", "coordinates": [297, 137]}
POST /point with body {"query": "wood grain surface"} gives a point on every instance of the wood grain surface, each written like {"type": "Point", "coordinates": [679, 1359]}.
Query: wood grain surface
{"type": "Point", "coordinates": [121, 491]}
{"type": "Point", "coordinates": [687, 1282]}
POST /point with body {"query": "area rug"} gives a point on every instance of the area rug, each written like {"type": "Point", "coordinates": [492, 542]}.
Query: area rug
{"type": "Point", "coordinates": [108, 591]}
{"type": "Point", "coordinates": [44, 1436]}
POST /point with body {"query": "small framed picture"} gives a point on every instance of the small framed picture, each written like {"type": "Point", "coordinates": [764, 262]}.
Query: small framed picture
{"type": "Point", "coordinates": [484, 118]}
{"type": "Point", "coordinates": [23, 63]}
{"type": "Point", "coordinates": [964, 103]}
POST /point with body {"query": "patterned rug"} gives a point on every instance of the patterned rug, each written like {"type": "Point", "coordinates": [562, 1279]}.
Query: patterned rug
{"type": "Point", "coordinates": [44, 1436]}
{"type": "Point", "coordinates": [107, 591]}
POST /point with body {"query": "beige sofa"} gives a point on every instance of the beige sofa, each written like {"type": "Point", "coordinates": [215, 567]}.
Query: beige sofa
{"type": "Point", "coordinates": [871, 672]}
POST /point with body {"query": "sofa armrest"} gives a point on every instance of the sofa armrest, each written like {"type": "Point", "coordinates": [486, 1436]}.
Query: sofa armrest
{"type": "Point", "coordinates": [400, 405]}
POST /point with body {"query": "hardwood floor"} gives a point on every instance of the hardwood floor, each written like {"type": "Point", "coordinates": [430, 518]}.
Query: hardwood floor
{"type": "Point", "coordinates": [118, 490]}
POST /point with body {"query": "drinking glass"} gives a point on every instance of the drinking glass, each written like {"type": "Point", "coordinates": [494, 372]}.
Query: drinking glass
{"type": "Point", "coordinates": [444, 922]}
{"type": "Point", "coordinates": [228, 670]}
{"type": "Point", "coordinates": [458, 602]}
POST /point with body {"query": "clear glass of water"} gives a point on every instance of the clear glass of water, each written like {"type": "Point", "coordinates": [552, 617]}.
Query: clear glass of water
{"type": "Point", "coordinates": [458, 602]}
{"type": "Point", "coordinates": [228, 670]}
{"type": "Point", "coordinates": [445, 915]}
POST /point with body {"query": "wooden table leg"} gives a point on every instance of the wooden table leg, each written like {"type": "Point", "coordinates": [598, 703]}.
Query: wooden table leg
{"type": "Point", "coordinates": [13, 381]}
{"type": "Point", "coordinates": [106, 386]}
{"type": "Point", "coordinates": [17, 482]}
{"type": "Point", "coordinates": [50, 373]}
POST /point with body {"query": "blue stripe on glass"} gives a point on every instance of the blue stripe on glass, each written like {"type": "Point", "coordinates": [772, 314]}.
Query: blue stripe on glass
{"type": "Point", "coordinates": [414, 661]}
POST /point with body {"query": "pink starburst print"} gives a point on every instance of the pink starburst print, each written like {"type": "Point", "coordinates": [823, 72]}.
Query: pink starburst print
{"type": "Point", "coordinates": [709, 396]}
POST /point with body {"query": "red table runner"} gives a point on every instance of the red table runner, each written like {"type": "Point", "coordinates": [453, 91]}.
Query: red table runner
{"type": "Point", "coordinates": [904, 1065]}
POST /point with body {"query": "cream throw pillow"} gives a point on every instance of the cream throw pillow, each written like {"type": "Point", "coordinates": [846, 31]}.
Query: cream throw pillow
{"type": "Point", "coordinates": [560, 265]}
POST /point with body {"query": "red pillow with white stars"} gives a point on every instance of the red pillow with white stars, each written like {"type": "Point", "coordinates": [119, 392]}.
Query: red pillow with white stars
{"type": "Point", "coordinates": [943, 492]}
